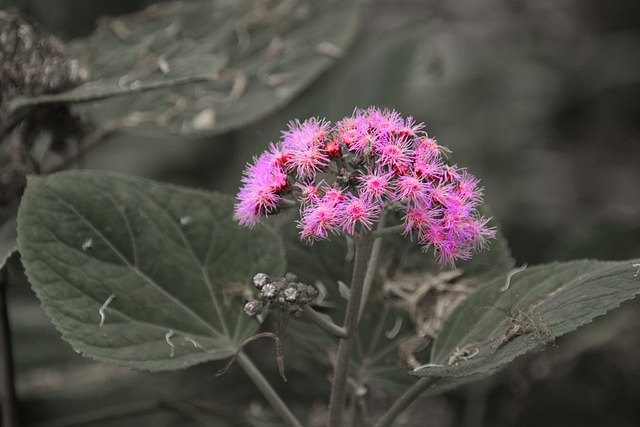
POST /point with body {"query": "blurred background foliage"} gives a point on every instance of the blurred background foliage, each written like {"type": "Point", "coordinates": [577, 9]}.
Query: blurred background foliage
{"type": "Point", "coordinates": [540, 99]}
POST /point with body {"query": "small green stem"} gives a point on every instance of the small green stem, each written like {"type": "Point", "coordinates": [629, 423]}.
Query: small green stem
{"type": "Point", "coordinates": [403, 402]}
{"type": "Point", "coordinates": [324, 322]}
{"type": "Point", "coordinates": [267, 391]}
{"type": "Point", "coordinates": [338, 386]}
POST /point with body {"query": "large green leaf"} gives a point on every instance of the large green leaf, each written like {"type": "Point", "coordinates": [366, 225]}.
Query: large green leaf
{"type": "Point", "coordinates": [243, 59]}
{"type": "Point", "coordinates": [494, 325]}
{"type": "Point", "coordinates": [140, 273]}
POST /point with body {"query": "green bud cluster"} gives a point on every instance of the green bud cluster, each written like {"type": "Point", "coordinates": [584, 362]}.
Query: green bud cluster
{"type": "Point", "coordinates": [285, 294]}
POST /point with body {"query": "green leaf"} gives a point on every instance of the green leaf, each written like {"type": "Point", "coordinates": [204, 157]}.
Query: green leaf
{"type": "Point", "coordinates": [138, 273]}
{"type": "Point", "coordinates": [243, 58]}
{"type": "Point", "coordinates": [493, 326]}
{"type": "Point", "coordinates": [377, 360]}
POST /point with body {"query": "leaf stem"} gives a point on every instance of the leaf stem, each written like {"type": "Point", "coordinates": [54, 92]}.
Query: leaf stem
{"type": "Point", "coordinates": [403, 402]}
{"type": "Point", "coordinates": [267, 391]}
{"type": "Point", "coordinates": [325, 322]}
{"type": "Point", "coordinates": [336, 402]}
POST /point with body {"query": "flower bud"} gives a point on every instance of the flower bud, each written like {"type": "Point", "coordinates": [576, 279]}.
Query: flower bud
{"type": "Point", "coordinates": [261, 279]}
{"type": "Point", "coordinates": [269, 291]}
{"type": "Point", "coordinates": [253, 308]}
{"type": "Point", "coordinates": [290, 294]}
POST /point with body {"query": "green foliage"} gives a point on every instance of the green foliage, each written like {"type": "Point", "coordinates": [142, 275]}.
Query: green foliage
{"type": "Point", "coordinates": [138, 273]}
{"type": "Point", "coordinates": [242, 59]}
{"type": "Point", "coordinates": [494, 325]}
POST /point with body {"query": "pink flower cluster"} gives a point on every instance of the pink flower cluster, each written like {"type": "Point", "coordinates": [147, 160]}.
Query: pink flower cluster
{"type": "Point", "coordinates": [344, 176]}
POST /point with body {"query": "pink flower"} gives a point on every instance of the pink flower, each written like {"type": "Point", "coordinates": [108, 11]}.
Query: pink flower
{"type": "Point", "coordinates": [429, 169]}
{"type": "Point", "coordinates": [311, 132]}
{"type": "Point", "coordinates": [344, 176]}
{"type": "Point", "coordinates": [410, 188]}
{"type": "Point", "coordinates": [445, 246]}
{"type": "Point", "coordinates": [468, 189]}
{"type": "Point", "coordinates": [395, 155]}
{"type": "Point", "coordinates": [409, 129]}
{"type": "Point", "coordinates": [353, 132]}
{"type": "Point", "coordinates": [305, 145]}
{"type": "Point", "coordinates": [310, 192]}
{"type": "Point", "coordinates": [317, 220]}
{"type": "Point", "coordinates": [376, 185]}
{"type": "Point", "coordinates": [475, 233]}
{"type": "Point", "coordinates": [419, 219]}
{"type": "Point", "coordinates": [383, 124]}
{"type": "Point", "coordinates": [333, 197]}
{"type": "Point", "coordinates": [428, 148]}
{"type": "Point", "coordinates": [441, 193]}
{"type": "Point", "coordinates": [279, 156]}
{"type": "Point", "coordinates": [357, 210]}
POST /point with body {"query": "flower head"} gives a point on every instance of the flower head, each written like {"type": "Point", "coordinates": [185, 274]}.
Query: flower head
{"type": "Point", "coordinates": [376, 184]}
{"type": "Point", "coordinates": [353, 131]}
{"type": "Point", "coordinates": [346, 176]}
{"type": "Point", "coordinates": [305, 144]}
{"type": "Point", "coordinates": [357, 210]}
{"type": "Point", "coordinates": [317, 220]}
{"type": "Point", "coordinates": [264, 182]}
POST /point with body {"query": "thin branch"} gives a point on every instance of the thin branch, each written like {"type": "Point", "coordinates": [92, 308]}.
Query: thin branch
{"type": "Point", "coordinates": [395, 229]}
{"type": "Point", "coordinates": [8, 397]}
{"type": "Point", "coordinates": [325, 322]}
{"type": "Point", "coordinates": [268, 392]}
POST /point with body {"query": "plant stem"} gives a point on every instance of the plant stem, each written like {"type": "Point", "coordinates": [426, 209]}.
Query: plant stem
{"type": "Point", "coordinates": [373, 263]}
{"type": "Point", "coordinates": [407, 398]}
{"type": "Point", "coordinates": [324, 322]}
{"type": "Point", "coordinates": [341, 371]}
{"type": "Point", "coordinates": [267, 391]}
{"type": "Point", "coordinates": [8, 396]}
{"type": "Point", "coordinates": [395, 229]}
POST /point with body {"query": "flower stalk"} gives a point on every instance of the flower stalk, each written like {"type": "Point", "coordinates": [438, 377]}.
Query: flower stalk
{"type": "Point", "coordinates": [364, 245]}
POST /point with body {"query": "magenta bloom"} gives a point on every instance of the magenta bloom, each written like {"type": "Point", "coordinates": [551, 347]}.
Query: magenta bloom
{"type": "Point", "coordinates": [353, 132]}
{"type": "Point", "coordinates": [344, 177]}
{"type": "Point", "coordinates": [264, 182]}
{"type": "Point", "coordinates": [357, 210]}
{"type": "Point", "coordinates": [412, 189]}
{"type": "Point", "coordinates": [318, 220]}
{"type": "Point", "coordinates": [305, 147]}
{"type": "Point", "coordinates": [376, 184]}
